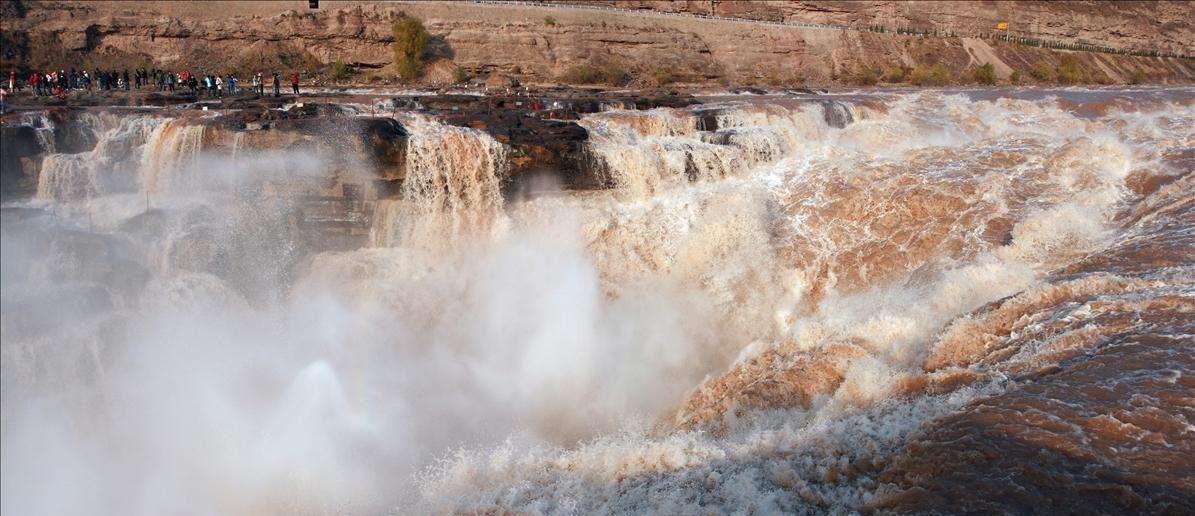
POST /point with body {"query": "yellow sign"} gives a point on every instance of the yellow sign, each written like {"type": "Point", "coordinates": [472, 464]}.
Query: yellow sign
{"type": "Point", "coordinates": [1002, 25]}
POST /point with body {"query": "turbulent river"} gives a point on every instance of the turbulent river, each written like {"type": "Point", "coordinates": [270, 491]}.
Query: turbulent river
{"type": "Point", "coordinates": [922, 301]}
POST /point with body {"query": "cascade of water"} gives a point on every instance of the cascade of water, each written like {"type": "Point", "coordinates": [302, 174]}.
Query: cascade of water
{"type": "Point", "coordinates": [874, 282]}
{"type": "Point", "coordinates": [106, 169]}
{"type": "Point", "coordinates": [645, 152]}
{"type": "Point", "coordinates": [890, 236]}
{"type": "Point", "coordinates": [172, 151]}
{"type": "Point", "coordinates": [44, 127]}
{"type": "Point", "coordinates": [452, 185]}
{"type": "Point", "coordinates": [238, 141]}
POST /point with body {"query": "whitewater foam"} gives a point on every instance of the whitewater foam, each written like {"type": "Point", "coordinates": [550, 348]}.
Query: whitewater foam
{"type": "Point", "coordinates": [763, 310]}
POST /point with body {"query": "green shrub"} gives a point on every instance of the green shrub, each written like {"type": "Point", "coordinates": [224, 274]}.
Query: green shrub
{"type": "Point", "coordinates": [1043, 72]}
{"type": "Point", "coordinates": [865, 76]}
{"type": "Point", "coordinates": [1015, 77]}
{"type": "Point", "coordinates": [1138, 77]}
{"type": "Point", "coordinates": [610, 73]}
{"type": "Point", "coordinates": [660, 76]}
{"type": "Point", "coordinates": [460, 74]}
{"type": "Point", "coordinates": [986, 74]}
{"type": "Point", "coordinates": [340, 71]}
{"type": "Point", "coordinates": [410, 42]}
{"type": "Point", "coordinates": [1069, 71]}
{"type": "Point", "coordinates": [548, 20]}
{"type": "Point", "coordinates": [895, 74]}
{"type": "Point", "coordinates": [936, 75]}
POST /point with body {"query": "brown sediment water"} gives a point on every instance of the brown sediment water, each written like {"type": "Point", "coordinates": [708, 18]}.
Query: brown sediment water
{"type": "Point", "coordinates": [891, 302]}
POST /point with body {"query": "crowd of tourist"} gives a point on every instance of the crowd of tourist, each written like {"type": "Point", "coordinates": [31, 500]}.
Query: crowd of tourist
{"type": "Point", "coordinates": [62, 82]}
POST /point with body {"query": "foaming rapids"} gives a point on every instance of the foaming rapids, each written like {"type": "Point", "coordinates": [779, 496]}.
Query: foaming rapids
{"type": "Point", "coordinates": [887, 246]}
{"type": "Point", "coordinates": [779, 306]}
{"type": "Point", "coordinates": [647, 152]}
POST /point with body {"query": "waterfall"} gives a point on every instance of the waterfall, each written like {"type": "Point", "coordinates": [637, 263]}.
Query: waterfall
{"type": "Point", "coordinates": [452, 185]}
{"type": "Point", "coordinates": [68, 177]}
{"type": "Point", "coordinates": [43, 127]}
{"type": "Point", "coordinates": [168, 164]}
{"type": "Point", "coordinates": [238, 142]}
{"type": "Point", "coordinates": [646, 152]}
{"type": "Point", "coordinates": [110, 167]}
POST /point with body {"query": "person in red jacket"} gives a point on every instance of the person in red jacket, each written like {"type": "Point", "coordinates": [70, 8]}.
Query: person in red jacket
{"type": "Point", "coordinates": [294, 82]}
{"type": "Point", "coordinates": [35, 83]}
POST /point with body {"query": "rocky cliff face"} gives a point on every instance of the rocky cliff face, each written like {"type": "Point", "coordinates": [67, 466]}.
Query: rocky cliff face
{"type": "Point", "coordinates": [1162, 26]}
{"type": "Point", "coordinates": [367, 153]}
{"type": "Point", "coordinates": [542, 44]}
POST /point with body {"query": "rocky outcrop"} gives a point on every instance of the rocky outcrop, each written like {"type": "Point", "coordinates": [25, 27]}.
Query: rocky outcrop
{"type": "Point", "coordinates": [542, 131]}
{"type": "Point", "coordinates": [534, 44]}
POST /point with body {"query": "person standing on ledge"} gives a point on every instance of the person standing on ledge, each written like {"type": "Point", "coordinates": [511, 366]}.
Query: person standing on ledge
{"type": "Point", "coordinates": [294, 82]}
{"type": "Point", "coordinates": [277, 83]}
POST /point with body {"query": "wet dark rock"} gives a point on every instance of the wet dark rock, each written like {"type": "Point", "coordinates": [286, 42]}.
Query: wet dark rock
{"type": "Point", "coordinates": [17, 178]}
{"type": "Point", "coordinates": [836, 114]}
{"type": "Point", "coordinates": [723, 137]}
{"type": "Point", "coordinates": [541, 130]}
{"type": "Point", "coordinates": [707, 120]}
{"type": "Point", "coordinates": [20, 140]}
{"type": "Point", "coordinates": [748, 89]}
{"type": "Point", "coordinates": [540, 146]}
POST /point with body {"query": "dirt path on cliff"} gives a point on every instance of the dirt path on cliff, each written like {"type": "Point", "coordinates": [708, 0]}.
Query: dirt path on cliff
{"type": "Point", "coordinates": [1108, 70]}
{"type": "Point", "coordinates": [981, 53]}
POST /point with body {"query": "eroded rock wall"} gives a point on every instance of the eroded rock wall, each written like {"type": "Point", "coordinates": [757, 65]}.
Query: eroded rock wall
{"type": "Point", "coordinates": [541, 44]}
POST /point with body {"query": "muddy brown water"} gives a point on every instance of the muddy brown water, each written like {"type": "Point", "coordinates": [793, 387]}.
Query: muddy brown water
{"type": "Point", "coordinates": [899, 301]}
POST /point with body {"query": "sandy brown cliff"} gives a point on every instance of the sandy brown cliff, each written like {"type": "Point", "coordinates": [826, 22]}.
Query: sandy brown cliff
{"type": "Point", "coordinates": [538, 44]}
{"type": "Point", "coordinates": [1151, 25]}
